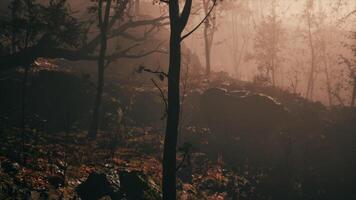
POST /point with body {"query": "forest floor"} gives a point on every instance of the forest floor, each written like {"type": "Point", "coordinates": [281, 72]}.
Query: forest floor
{"type": "Point", "coordinates": [53, 165]}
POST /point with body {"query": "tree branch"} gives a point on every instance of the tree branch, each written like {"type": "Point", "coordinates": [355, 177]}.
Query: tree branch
{"type": "Point", "coordinates": [185, 14]}
{"type": "Point", "coordinates": [194, 29]}
{"type": "Point", "coordinates": [165, 1]}
{"type": "Point", "coordinates": [164, 99]}
{"type": "Point", "coordinates": [146, 69]}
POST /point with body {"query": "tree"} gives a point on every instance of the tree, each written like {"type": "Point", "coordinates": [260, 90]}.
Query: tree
{"type": "Point", "coordinates": [28, 21]}
{"type": "Point", "coordinates": [103, 19]}
{"type": "Point", "coordinates": [103, 62]}
{"type": "Point", "coordinates": [351, 66]}
{"type": "Point", "coordinates": [209, 30]}
{"type": "Point", "coordinates": [353, 72]}
{"type": "Point", "coordinates": [268, 44]}
{"type": "Point", "coordinates": [137, 7]}
{"type": "Point", "coordinates": [50, 44]}
{"type": "Point", "coordinates": [308, 15]}
{"type": "Point", "coordinates": [241, 33]}
{"type": "Point", "coordinates": [69, 38]}
{"type": "Point", "coordinates": [178, 22]}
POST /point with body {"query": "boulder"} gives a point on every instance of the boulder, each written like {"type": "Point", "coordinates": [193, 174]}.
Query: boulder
{"type": "Point", "coordinates": [95, 187]}
{"type": "Point", "coordinates": [239, 112]}
{"type": "Point", "coordinates": [136, 185]}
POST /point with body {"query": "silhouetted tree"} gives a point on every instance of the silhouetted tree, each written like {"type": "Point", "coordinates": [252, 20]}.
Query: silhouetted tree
{"type": "Point", "coordinates": [178, 22]}
{"type": "Point", "coordinates": [103, 18]}
{"type": "Point", "coordinates": [77, 43]}
{"type": "Point", "coordinates": [104, 24]}
{"type": "Point", "coordinates": [66, 38]}
{"type": "Point", "coordinates": [29, 20]}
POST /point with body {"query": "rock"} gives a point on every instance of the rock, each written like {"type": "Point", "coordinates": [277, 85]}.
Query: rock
{"type": "Point", "coordinates": [243, 124]}
{"type": "Point", "coordinates": [95, 187]}
{"type": "Point", "coordinates": [135, 185]}
{"type": "Point", "coordinates": [233, 113]}
{"type": "Point", "coordinates": [11, 168]}
{"type": "Point", "coordinates": [56, 180]}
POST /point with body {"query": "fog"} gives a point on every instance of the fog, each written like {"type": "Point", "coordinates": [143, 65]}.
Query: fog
{"type": "Point", "coordinates": [178, 99]}
{"type": "Point", "coordinates": [234, 41]}
{"type": "Point", "coordinates": [234, 27]}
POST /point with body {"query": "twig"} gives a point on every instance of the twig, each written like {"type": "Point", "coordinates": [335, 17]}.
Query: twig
{"type": "Point", "coordinates": [146, 69]}
{"type": "Point", "coordinates": [164, 99]}
{"type": "Point", "coordinates": [202, 21]}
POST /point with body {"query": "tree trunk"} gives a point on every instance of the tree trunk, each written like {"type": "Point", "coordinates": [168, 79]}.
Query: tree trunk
{"type": "Point", "coordinates": [103, 25]}
{"type": "Point", "coordinates": [137, 7]}
{"type": "Point", "coordinates": [23, 114]}
{"type": "Point", "coordinates": [96, 109]}
{"type": "Point", "coordinates": [24, 84]}
{"type": "Point", "coordinates": [207, 50]}
{"type": "Point", "coordinates": [310, 86]}
{"type": "Point", "coordinates": [328, 81]}
{"type": "Point", "coordinates": [177, 24]}
{"type": "Point", "coordinates": [170, 143]}
{"type": "Point", "coordinates": [273, 72]}
{"type": "Point", "coordinates": [207, 39]}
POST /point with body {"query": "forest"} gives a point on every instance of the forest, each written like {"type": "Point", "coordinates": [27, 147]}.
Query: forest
{"type": "Point", "coordinates": [177, 99]}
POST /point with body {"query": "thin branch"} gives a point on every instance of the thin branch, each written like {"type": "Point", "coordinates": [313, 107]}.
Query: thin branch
{"type": "Point", "coordinates": [100, 13]}
{"type": "Point", "coordinates": [138, 39]}
{"type": "Point", "coordinates": [47, 49]}
{"type": "Point", "coordinates": [206, 17]}
{"type": "Point", "coordinates": [164, 99]}
{"type": "Point", "coordinates": [133, 24]}
{"type": "Point", "coordinates": [165, 1]}
{"type": "Point", "coordinates": [185, 14]}
{"type": "Point", "coordinates": [185, 155]}
{"type": "Point", "coordinates": [125, 54]}
{"type": "Point", "coordinates": [146, 69]}
{"type": "Point", "coordinates": [181, 163]}
{"type": "Point", "coordinates": [343, 19]}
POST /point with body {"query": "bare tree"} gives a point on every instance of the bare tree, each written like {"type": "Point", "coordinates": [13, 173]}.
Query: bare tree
{"type": "Point", "coordinates": [309, 15]}
{"type": "Point", "coordinates": [103, 18]}
{"type": "Point", "coordinates": [268, 44]}
{"type": "Point", "coordinates": [44, 46]}
{"type": "Point", "coordinates": [109, 13]}
{"type": "Point", "coordinates": [178, 22]}
{"type": "Point", "coordinates": [351, 65]}
{"type": "Point", "coordinates": [241, 34]}
{"type": "Point", "coordinates": [209, 30]}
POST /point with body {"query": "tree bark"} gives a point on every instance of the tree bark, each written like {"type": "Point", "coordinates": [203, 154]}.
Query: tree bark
{"type": "Point", "coordinates": [171, 135]}
{"type": "Point", "coordinates": [170, 143]}
{"type": "Point", "coordinates": [178, 22]}
{"type": "Point", "coordinates": [103, 25]}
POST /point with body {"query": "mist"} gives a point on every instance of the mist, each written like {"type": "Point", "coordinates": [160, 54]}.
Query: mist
{"type": "Point", "coordinates": [177, 99]}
